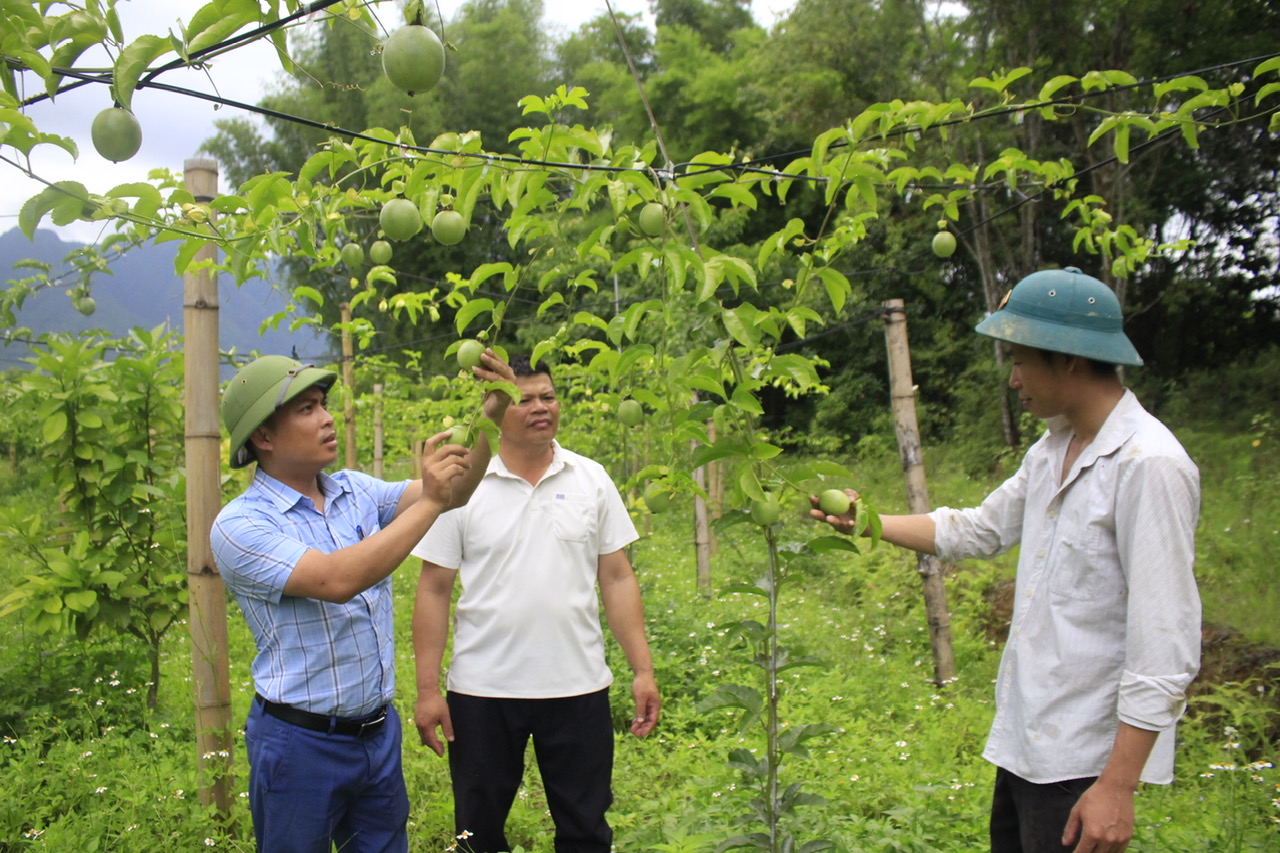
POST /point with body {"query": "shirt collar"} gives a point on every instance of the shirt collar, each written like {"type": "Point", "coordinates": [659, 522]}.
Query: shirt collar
{"type": "Point", "coordinates": [1119, 425]}
{"type": "Point", "coordinates": [559, 460]}
{"type": "Point", "coordinates": [1116, 430]}
{"type": "Point", "coordinates": [286, 498]}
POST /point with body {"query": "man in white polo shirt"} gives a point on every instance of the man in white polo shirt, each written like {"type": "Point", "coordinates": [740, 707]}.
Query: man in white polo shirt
{"type": "Point", "coordinates": [544, 529]}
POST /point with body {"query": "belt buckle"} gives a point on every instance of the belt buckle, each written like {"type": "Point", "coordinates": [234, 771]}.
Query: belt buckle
{"type": "Point", "coordinates": [369, 724]}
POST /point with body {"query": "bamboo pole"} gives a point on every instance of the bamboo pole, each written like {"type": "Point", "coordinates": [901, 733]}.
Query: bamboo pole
{"type": "Point", "coordinates": [903, 394]}
{"type": "Point", "coordinates": [701, 527]}
{"type": "Point", "coordinates": [207, 620]}
{"type": "Point", "coordinates": [715, 491]}
{"type": "Point", "coordinates": [377, 430]}
{"type": "Point", "coordinates": [348, 380]}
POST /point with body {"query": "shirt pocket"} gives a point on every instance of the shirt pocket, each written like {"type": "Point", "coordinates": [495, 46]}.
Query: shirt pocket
{"type": "Point", "coordinates": [1087, 565]}
{"type": "Point", "coordinates": [573, 518]}
{"type": "Point", "coordinates": [1079, 573]}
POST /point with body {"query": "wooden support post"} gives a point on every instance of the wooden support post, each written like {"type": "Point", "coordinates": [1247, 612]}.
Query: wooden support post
{"type": "Point", "coordinates": [715, 488]}
{"type": "Point", "coordinates": [348, 380]}
{"type": "Point", "coordinates": [377, 430]}
{"type": "Point", "coordinates": [903, 394]}
{"type": "Point", "coordinates": [701, 526]}
{"type": "Point", "coordinates": [207, 598]}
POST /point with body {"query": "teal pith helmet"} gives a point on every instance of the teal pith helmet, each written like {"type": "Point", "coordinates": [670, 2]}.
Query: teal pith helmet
{"type": "Point", "coordinates": [1063, 311]}
{"type": "Point", "coordinates": [258, 389]}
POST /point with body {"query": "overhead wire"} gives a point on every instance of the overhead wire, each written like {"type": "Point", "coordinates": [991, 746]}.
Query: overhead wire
{"type": "Point", "coordinates": [149, 80]}
{"type": "Point", "coordinates": [670, 169]}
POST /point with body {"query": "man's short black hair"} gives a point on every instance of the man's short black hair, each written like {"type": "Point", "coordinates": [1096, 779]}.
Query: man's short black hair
{"type": "Point", "coordinates": [1099, 369]}
{"type": "Point", "coordinates": [521, 367]}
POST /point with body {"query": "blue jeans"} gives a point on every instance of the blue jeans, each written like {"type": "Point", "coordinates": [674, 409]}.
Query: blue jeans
{"type": "Point", "coordinates": [309, 790]}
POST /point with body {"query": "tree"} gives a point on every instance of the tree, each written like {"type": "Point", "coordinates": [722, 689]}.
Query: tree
{"type": "Point", "coordinates": [107, 551]}
{"type": "Point", "coordinates": [719, 23]}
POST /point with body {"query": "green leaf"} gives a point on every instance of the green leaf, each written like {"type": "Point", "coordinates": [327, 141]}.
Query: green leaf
{"type": "Point", "coordinates": [747, 401]}
{"type": "Point", "coordinates": [837, 287]}
{"type": "Point", "coordinates": [1265, 92]}
{"type": "Point", "coordinates": [54, 427]}
{"type": "Point", "coordinates": [745, 589]}
{"type": "Point", "coordinates": [474, 308]}
{"type": "Point", "coordinates": [733, 696]}
{"type": "Point", "coordinates": [132, 63]}
{"type": "Point", "coordinates": [217, 20]}
{"type": "Point", "coordinates": [629, 358]}
{"type": "Point", "coordinates": [1122, 143]}
{"type": "Point", "coordinates": [80, 600]}
{"type": "Point", "coordinates": [740, 322]}
{"type": "Point", "coordinates": [737, 194]}
{"type": "Point", "coordinates": [1180, 84]}
{"type": "Point", "coordinates": [1049, 90]}
{"type": "Point", "coordinates": [310, 294]}
{"type": "Point", "coordinates": [486, 271]}
{"type": "Point", "coordinates": [827, 544]}
{"type": "Point", "coordinates": [1272, 64]}
{"type": "Point", "coordinates": [64, 202]}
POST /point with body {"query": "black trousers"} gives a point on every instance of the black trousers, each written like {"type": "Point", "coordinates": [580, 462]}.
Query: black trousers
{"type": "Point", "coordinates": [1030, 818]}
{"type": "Point", "coordinates": [573, 745]}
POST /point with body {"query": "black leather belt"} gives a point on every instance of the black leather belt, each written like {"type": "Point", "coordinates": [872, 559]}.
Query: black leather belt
{"type": "Point", "coordinates": [358, 726]}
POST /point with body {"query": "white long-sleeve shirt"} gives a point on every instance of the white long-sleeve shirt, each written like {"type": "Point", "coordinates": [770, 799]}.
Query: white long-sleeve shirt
{"type": "Point", "coordinates": [1106, 619]}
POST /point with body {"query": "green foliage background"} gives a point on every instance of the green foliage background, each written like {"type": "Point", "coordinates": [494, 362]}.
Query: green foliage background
{"type": "Point", "coordinates": [804, 170]}
{"type": "Point", "coordinates": [89, 766]}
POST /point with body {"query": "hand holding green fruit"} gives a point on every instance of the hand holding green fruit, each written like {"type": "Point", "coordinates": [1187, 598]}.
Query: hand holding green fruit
{"type": "Point", "coordinates": [834, 502]}
{"type": "Point", "coordinates": [841, 508]}
{"type": "Point", "coordinates": [460, 434]}
{"type": "Point", "coordinates": [469, 353]}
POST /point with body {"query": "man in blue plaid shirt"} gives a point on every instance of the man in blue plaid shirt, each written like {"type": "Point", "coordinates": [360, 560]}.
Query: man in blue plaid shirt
{"type": "Point", "coordinates": [308, 557]}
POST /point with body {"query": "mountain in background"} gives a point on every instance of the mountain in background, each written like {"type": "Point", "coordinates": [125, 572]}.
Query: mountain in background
{"type": "Point", "coordinates": [142, 290]}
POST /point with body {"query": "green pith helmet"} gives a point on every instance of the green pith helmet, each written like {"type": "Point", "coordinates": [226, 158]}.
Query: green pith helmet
{"type": "Point", "coordinates": [1063, 311]}
{"type": "Point", "coordinates": [258, 389]}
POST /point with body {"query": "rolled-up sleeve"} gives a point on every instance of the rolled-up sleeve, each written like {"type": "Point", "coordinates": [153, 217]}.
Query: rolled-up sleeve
{"type": "Point", "coordinates": [254, 557]}
{"type": "Point", "coordinates": [983, 531]}
{"type": "Point", "coordinates": [1157, 510]}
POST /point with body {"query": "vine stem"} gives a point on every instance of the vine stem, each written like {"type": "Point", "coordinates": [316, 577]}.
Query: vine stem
{"type": "Point", "coordinates": [772, 757]}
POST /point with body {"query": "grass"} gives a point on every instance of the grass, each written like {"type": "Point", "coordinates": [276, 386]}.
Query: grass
{"type": "Point", "coordinates": [86, 766]}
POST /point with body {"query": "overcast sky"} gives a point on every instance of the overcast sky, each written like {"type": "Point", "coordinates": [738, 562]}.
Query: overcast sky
{"type": "Point", "coordinates": [174, 125]}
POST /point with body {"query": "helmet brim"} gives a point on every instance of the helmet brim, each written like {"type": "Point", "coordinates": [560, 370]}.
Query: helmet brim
{"type": "Point", "coordinates": [270, 399]}
{"type": "Point", "coordinates": [1109, 347]}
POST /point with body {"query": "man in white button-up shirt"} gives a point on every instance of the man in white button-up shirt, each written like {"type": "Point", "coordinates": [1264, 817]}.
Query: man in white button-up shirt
{"type": "Point", "coordinates": [1105, 636]}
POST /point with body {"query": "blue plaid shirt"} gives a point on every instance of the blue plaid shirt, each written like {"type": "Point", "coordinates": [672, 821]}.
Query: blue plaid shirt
{"type": "Point", "coordinates": [316, 655]}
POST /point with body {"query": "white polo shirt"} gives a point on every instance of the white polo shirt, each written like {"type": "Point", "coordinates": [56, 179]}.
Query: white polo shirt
{"type": "Point", "coordinates": [527, 624]}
